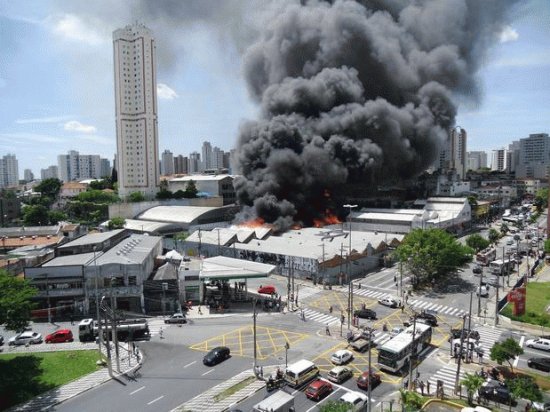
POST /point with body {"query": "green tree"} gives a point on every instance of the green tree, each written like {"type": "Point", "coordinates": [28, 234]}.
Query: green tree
{"type": "Point", "coordinates": [191, 190]}
{"type": "Point", "coordinates": [164, 194]}
{"type": "Point", "coordinates": [541, 199]}
{"type": "Point", "coordinates": [504, 228]}
{"type": "Point", "coordinates": [15, 301]}
{"type": "Point", "coordinates": [411, 401]}
{"type": "Point", "coordinates": [334, 406]}
{"type": "Point", "coordinates": [477, 242]}
{"type": "Point", "coordinates": [181, 235]}
{"type": "Point", "coordinates": [472, 200]}
{"type": "Point", "coordinates": [116, 223]}
{"type": "Point", "coordinates": [56, 216]}
{"type": "Point", "coordinates": [524, 387]}
{"type": "Point", "coordinates": [97, 196]}
{"type": "Point", "coordinates": [35, 215]}
{"type": "Point", "coordinates": [472, 383]}
{"type": "Point", "coordinates": [506, 351]}
{"type": "Point", "coordinates": [179, 194]}
{"type": "Point", "coordinates": [494, 236]}
{"type": "Point", "coordinates": [547, 246]}
{"type": "Point", "coordinates": [135, 197]}
{"type": "Point", "coordinates": [431, 254]}
{"type": "Point", "coordinates": [49, 187]}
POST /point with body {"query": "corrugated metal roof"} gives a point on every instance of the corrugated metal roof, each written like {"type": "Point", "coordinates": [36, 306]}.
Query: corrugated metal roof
{"type": "Point", "coordinates": [70, 260]}
{"type": "Point", "coordinates": [198, 178]}
{"type": "Point", "coordinates": [175, 214]}
{"type": "Point", "coordinates": [134, 249]}
{"type": "Point", "coordinates": [92, 238]}
{"type": "Point", "coordinates": [219, 267]}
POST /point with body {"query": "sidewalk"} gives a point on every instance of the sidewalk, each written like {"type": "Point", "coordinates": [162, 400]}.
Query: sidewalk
{"type": "Point", "coordinates": [128, 364]}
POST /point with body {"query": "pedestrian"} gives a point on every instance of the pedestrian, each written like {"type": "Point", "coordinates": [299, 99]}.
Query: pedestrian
{"type": "Point", "coordinates": [160, 333]}
{"type": "Point", "coordinates": [395, 278]}
{"type": "Point", "coordinates": [327, 330]}
{"type": "Point", "coordinates": [330, 309]}
{"type": "Point", "coordinates": [72, 320]}
{"type": "Point", "coordinates": [428, 387]}
{"type": "Point", "coordinates": [402, 309]}
{"type": "Point", "coordinates": [262, 371]}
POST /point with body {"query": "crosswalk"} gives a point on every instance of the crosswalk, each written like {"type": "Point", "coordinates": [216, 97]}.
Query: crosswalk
{"type": "Point", "coordinates": [488, 336]}
{"type": "Point", "coordinates": [447, 374]}
{"type": "Point", "coordinates": [155, 326]}
{"type": "Point", "coordinates": [380, 338]}
{"type": "Point", "coordinates": [313, 315]}
{"type": "Point", "coordinates": [440, 309]}
{"type": "Point", "coordinates": [371, 293]}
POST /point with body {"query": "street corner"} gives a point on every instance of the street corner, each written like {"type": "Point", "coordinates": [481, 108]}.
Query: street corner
{"type": "Point", "coordinates": [269, 341]}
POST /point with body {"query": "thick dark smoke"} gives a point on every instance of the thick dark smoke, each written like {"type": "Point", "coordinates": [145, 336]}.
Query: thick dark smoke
{"type": "Point", "coordinates": [355, 92]}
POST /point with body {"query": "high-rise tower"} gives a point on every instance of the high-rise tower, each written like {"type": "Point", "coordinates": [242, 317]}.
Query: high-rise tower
{"type": "Point", "coordinates": [136, 111]}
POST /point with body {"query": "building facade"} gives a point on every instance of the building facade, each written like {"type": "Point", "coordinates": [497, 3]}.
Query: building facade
{"type": "Point", "coordinates": [453, 156]}
{"type": "Point", "coordinates": [498, 160]}
{"type": "Point", "coordinates": [50, 172]}
{"type": "Point", "coordinates": [9, 171]}
{"type": "Point", "coordinates": [73, 166]}
{"type": "Point", "coordinates": [167, 163]}
{"type": "Point", "coordinates": [476, 160]}
{"type": "Point", "coordinates": [136, 110]}
{"type": "Point", "coordinates": [534, 157]}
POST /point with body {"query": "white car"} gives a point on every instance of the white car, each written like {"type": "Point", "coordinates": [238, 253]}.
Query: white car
{"type": "Point", "coordinates": [482, 291]}
{"type": "Point", "coordinates": [25, 338]}
{"type": "Point", "coordinates": [342, 356]}
{"type": "Point", "coordinates": [391, 302]}
{"type": "Point", "coordinates": [540, 343]}
{"type": "Point", "coordinates": [356, 400]}
{"type": "Point", "coordinates": [396, 331]}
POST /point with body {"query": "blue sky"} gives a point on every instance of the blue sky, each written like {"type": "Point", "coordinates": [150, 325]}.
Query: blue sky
{"type": "Point", "coordinates": [56, 78]}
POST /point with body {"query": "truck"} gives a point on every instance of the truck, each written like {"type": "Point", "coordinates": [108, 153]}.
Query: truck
{"type": "Point", "coordinates": [360, 345]}
{"type": "Point", "coordinates": [127, 329]}
{"type": "Point", "coordinates": [280, 401]}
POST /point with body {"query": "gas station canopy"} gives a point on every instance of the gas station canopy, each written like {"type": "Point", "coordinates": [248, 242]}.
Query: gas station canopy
{"type": "Point", "coordinates": [225, 268]}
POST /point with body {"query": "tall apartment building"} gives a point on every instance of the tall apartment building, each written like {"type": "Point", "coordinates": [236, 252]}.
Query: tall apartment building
{"type": "Point", "coordinates": [206, 156]}
{"type": "Point", "coordinates": [167, 163]}
{"type": "Point", "coordinates": [217, 158]}
{"type": "Point", "coordinates": [9, 171]}
{"type": "Point", "coordinates": [105, 168]}
{"type": "Point", "coordinates": [74, 166]}
{"type": "Point", "coordinates": [534, 157]}
{"type": "Point", "coordinates": [512, 157]}
{"type": "Point", "coordinates": [476, 160]}
{"type": "Point", "coordinates": [194, 162]}
{"type": "Point", "coordinates": [453, 154]}
{"type": "Point", "coordinates": [181, 164]}
{"type": "Point", "coordinates": [136, 110]}
{"type": "Point", "coordinates": [498, 160]}
{"type": "Point", "coordinates": [28, 175]}
{"type": "Point", "coordinates": [51, 172]}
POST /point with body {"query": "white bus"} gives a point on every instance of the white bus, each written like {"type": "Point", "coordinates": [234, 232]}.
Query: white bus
{"type": "Point", "coordinates": [500, 267]}
{"type": "Point", "coordinates": [301, 372]}
{"type": "Point", "coordinates": [396, 353]}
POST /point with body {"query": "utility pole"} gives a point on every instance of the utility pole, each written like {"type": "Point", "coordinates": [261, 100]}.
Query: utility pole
{"type": "Point", "coordinates": [108, 345]}
{"type": "Point", "coordinates": [350, 279]}
{"type": "Point", "coordinates": [48, 298]}
{"type": "Point", "coordinates": [401, 282]}
{"type": "Point", "coordinates": [100, 360]}
{"type": "Point", "coordinates": [479, 292]}
{"type": "Point", "coordinates": [114, 332]}
{"type": "Point", "coordinates": [496, 304]}
{"type": "Point", "coordinates": [413, 353]}
{"type": "Point", "coordinates": [460, 354]}
{"type": "Point", "coordinates": [218, 242]}
{"type": "Point", "coordinates": [370, 331]}
{"type": "Point", "coordinates": [254, 333]}
{"type": "Point", "coordinates": [288, 297]}
{"type": "Point", "coordinates": [469, 326]}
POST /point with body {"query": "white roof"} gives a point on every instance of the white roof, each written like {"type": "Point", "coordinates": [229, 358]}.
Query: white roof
{"type": "Point", "coordinates": [397, 217]}
{"type": "Point", "coordinates": [399, 342]}
{"type": "Point", "coordinates": [132, 250]}
{"type": "Point", "coordinates": [219, 267]}
{"type": "Point", "coordinates": [149, 226]}
{"type": "Point", "coordinates": [197, 178]}
{"type": "Point", "coordinates": [92, 238]}
{"type": "Point", "coordinates": [175, 214]}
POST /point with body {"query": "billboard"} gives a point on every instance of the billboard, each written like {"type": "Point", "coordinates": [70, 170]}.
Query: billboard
{"type": "Point", "coordinates": [518, 298]}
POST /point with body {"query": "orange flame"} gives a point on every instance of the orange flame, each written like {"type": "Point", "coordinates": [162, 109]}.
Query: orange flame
{"type": "Point", "coordinates": [258, 222]}
{"type": "Point", "coordinates": [328, 219]}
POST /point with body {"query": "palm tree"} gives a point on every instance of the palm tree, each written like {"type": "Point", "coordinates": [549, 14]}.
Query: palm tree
{"type": "Point", "coordinates": [472, 383]}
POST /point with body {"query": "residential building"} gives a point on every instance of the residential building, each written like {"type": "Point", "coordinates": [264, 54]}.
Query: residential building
{"type": "Point", "coordinates": [167, 163]}
{"type": "Point", "coordinates": [181, 164]}
{"type": "Point", "coordinates": [105, 168]}
{"type": "Point", "coordinates": [194, 163]}
{"type": "Point", "coordinates": [136, 111]}
{"type": "Point", "coordinates": [9, 171]}
{"type": "Point", "coordinates": [217, 159]}
{"type": "Point", "coordinates": [512, 157]}
{"type": "Point", "coordinates": [476, 160]}
{"type": "Point", "coordinates": [534, 157]}
{"type": "Point", "coordinates": [498, 160]}
{"type": "Point", "coordinates": [453, 154]}
{"type": "Point", "coordinates": [206, 156]}
{"type": "Point", "coordinates": [208, 185]}
{"type": "Point", "coordinates": [51, 172]}
{"type": "Point", "coordinates": [71, 189]}
{"type": "Point", "coordinates": [28, 175]}
{"type": "Point", "coordinates": [74, 166]}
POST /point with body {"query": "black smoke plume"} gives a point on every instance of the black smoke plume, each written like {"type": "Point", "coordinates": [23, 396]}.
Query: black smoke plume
{"type": "Point", "coordinates": [355, 92]}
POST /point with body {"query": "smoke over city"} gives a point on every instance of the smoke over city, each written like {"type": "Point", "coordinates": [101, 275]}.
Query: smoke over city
{"type": "Point", "coordinates": [355, 92]}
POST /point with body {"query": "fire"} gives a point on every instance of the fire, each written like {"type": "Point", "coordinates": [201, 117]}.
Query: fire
{"type": "Point", "coordinates": [296, 226]}
{"type": "Point", "coordinates": [258, 222]}
{"type": "Point", "coordinates": [328, 219]}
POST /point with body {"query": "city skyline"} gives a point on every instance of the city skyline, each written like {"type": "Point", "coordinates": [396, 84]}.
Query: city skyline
{"type": "Point", "coordinates": [202, 95]}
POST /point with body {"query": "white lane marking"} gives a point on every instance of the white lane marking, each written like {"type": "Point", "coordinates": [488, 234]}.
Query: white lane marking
{"type": "Point", "coordinates": [207, 372]}
{"type": "Point", "coordinates": [154, 400]}
{"type": "Point", "coordinates": [189, 364]}
{"type": "Point", "coordinates": [516, 360]}
{"type": "Point", "coordinates": [433, 353]}
{"type": "Point", "coordinates": [137, 390]}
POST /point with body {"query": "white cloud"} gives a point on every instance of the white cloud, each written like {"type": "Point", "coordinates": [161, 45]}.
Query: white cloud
{"type": "Point", "coordinates": [76, 126]}
{"type": "Point", "coordinates": [51, 119]}
{"type": "Point", "coordinates": [508, 34]}
{"type": "Point", "coordinates": [71, 27]}
{"type": "Point", "coordinates": [165, 92]}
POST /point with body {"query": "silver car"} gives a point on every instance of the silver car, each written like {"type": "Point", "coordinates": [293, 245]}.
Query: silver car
{"type": "Point", "coordinates": [25, 338]}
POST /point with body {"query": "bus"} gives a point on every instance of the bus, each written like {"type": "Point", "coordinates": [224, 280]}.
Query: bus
{"type": "Point", "coordinates": [301, 372]}
{"type": "Point", "coordinates": [486, 256]}
{"type": "Point", "coordinates": [396, 353]}
{"type": "Point", "coordinates": [500, 267]}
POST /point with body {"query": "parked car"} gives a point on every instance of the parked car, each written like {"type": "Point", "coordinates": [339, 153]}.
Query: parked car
{"type": "Point", "coordinates": [497, 393]}
{"type": "Point", "coordinates": [216, 355]}
{"type": "Point", "coordinates": [396, 331]}
{"type": "Point", "coordinates": [24, 338]}
{"type": "Point", "coordinates": [542, 364]}
{"type": "Point", "coordinates": [540, 406]}
{"type": "Point", "coordinates": [365, 314]}
{"type": "Point", "coordinates": [476, 269]}
{"type": "Point", "coordinates": [482, 291]}
{"type": "Point", "coordinates": [540, 343]}
{"type": "Point", "coordinates": [267, 289]}
{"type": "Point", "coordinates": [390, 302]}
{"type": "Point", "coordinates": [355, 400]}
{"type": "Point", "coordinates": [60, 336]}
{"type": "Point", "coordinates": [318, 389]}
{"type": "Point", "coordinates": [363, 381]}
{"type": "Point", "coordinates": [339, 374]}
{"type": "Point", "coordinates": [176, 318]}
{"type": "Point", "coordinates": [341, 356]}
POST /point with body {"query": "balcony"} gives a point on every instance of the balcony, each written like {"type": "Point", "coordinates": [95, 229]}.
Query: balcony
{"type": "Point", "coordinates": [54, 293]}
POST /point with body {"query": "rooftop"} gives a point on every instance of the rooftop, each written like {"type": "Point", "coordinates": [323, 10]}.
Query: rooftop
{"type": "Point", "coordinates": [92, 239]}
{"type": "Point", "coordinates": [175, 214]}
{"type": "Point", "coordinates": [228, 268]}
{"type": "Point", "coordinates": [132, 250]}
{"type": "Point", "coordinates": [71, 260]}
{"type": "Point", "coordinates": [197, 178]}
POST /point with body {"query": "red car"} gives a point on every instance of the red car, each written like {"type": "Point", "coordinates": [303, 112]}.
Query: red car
{"type": "Point", "coordinates": [267, 289]}
{"type": "Point", "coordinates": [60, 336]}
{"type": "Point", "coordinates": [363, 380]}
{"type": "Point", "coordinates": [318, 389]}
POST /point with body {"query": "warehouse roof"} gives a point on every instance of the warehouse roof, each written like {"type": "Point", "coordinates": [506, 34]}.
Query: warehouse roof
{"type": "Point", "coordinates": [175, 214]}
{"type": "Point", "coordinates": [197, 178]}
{"type": "Point", "coordinates": [134, 249]}
{"type": "Point", "coordinates": [220, 267]}
{"type": "Point", "coordinates": [92, 238]}
{"type": "Point", "coordinates": [71, 260]}
{"type": "Point", "coordinates": [149, 226]}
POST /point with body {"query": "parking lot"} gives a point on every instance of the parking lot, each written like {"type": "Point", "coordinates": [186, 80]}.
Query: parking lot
{"type": "Point", "coordinates": [269, 341]}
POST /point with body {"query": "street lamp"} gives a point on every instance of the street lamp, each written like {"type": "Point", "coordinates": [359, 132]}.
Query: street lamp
{"type": "Point", "coordinates": [350, 286]}
{"type": "Point", "coordinates": [100, 360]}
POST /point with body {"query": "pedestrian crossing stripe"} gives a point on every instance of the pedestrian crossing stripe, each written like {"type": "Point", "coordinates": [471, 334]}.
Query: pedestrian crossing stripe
{"type": "Point", "coordinates": [315, 316]}
{"type": "Point", "coordinates": [447, 374]}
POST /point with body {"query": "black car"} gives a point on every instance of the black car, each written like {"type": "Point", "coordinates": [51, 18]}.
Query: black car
{"type": "Point", "coordinates": [1, 340]}
{"type": "Point", "coordinates": [216, 356]}
{"type": "Point", "coordinates": [476, 269]}
{"type": "Point", "coordinates": [542, 364]}
{"type": "Point", "coordinates": [365, 314]}
{"type": "Point", "coordinates": [426, 318]}
{"type": "Point", "coordinates": [499, 394]}
{"type": "Point", "coordinates": [456, 333]}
